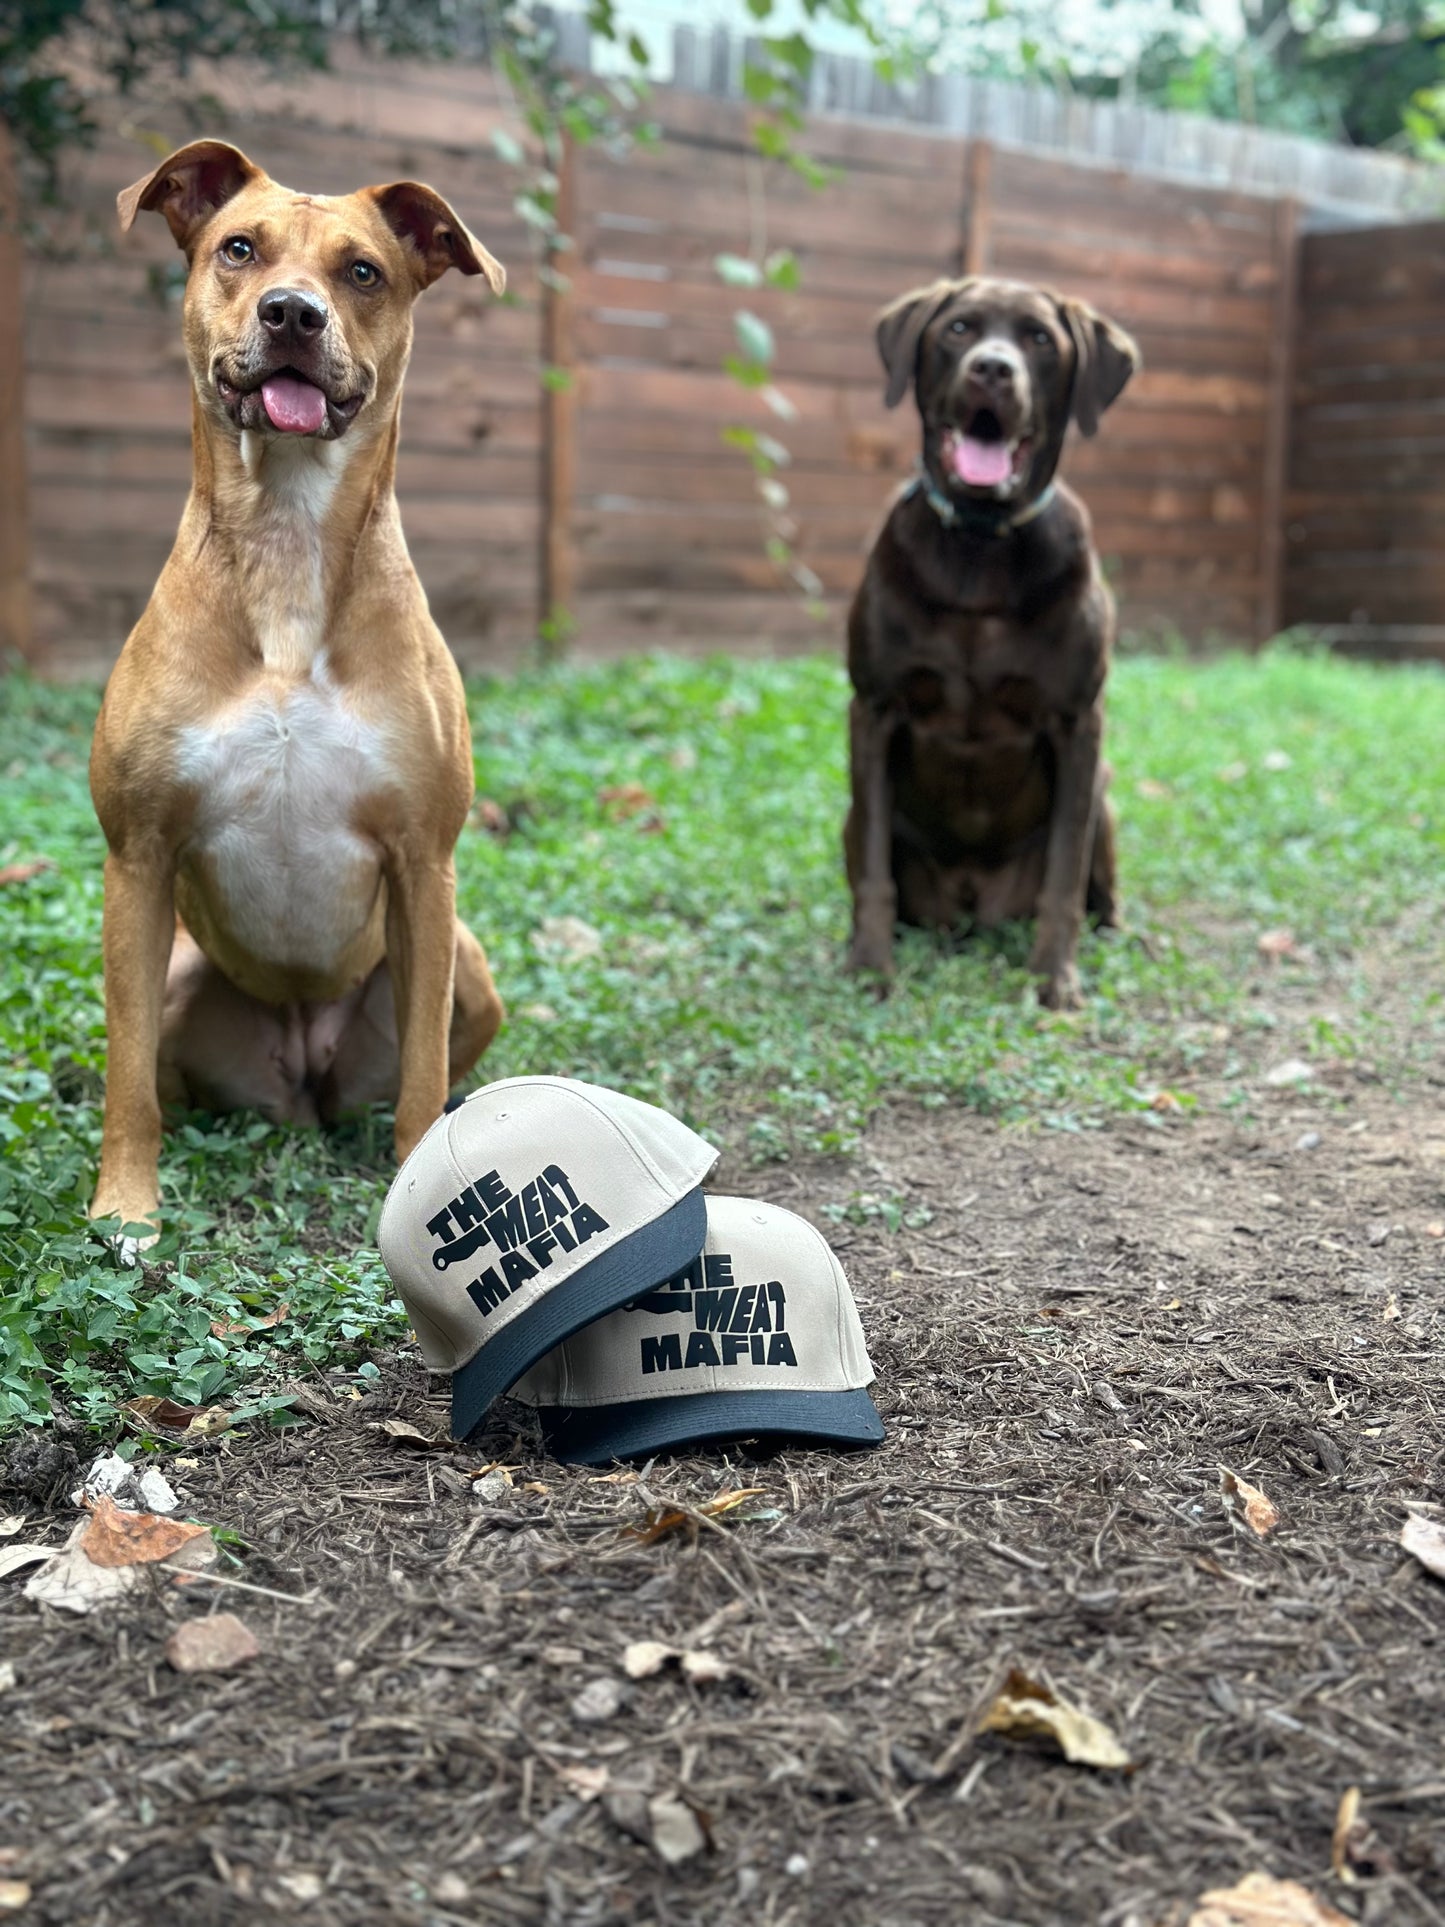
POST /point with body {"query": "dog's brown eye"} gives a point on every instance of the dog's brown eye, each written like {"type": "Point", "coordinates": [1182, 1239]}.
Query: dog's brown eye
{"type": "Point", "coordinates": [364, 274]}
{"type": "Point", "coordinates": [238, 250]}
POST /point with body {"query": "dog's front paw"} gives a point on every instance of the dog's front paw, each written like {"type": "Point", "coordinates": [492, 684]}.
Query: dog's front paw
{"type": "Point", "coordinates": [1058, 979]}
{"type": "Point", "coordinates": [870, 955]}
{"type": "Point", "coordinates": [123, 1228]}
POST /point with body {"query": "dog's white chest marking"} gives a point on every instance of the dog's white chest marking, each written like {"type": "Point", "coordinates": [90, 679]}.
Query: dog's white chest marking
{"type": "Point", "coordinates": [279, 777]}
{"type": "Point", "coordinates": [283, 564]}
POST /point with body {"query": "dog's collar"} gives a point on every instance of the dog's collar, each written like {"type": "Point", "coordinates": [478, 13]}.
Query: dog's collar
{"type": "Point", "coordinates": [986, 518]}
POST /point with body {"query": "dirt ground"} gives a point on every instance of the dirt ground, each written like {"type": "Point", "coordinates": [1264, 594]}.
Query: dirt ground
{"type": "Point", "coordinates": [1085, 1329]}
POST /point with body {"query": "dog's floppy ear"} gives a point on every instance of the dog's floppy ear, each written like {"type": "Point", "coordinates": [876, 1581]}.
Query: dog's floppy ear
{"type": "Point", "coordinates": [188, 187]}
{"type": "Point", "coordinates": [1104, 359]}
{"type": "Point", "coordinates": [427, 227]}
{"type": "Point", "coordinates": [900, 329]}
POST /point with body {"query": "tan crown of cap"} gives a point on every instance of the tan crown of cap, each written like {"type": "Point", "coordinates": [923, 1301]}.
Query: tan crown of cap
{"type": "Point", "coordinates": [766, 1307]}
{"type": "Point", "coordinates": [552, 1168]}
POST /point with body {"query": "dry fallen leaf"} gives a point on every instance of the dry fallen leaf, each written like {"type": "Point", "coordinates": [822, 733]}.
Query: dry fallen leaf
{"type": "Point", "coordinates": [661, 1520]}
{"type": "Point", "coordinates": [23, 872]}
{"type": "Point", "coordinates": [676, 1832]}
{"type": "Point", "coordinates": [615, 1478]}
{"type": "Point", "coordinates": [1026, 1710]}
{"type": "Point", "coordinates": [213, 1645]}
{"type": "Point", "coordinates": [9, 1678]}
{"type": "Point", "coordinates": [165, 1412]}
{"type": "Point", "coordinates": [1435, 1230]}
{"type": "Point", "coordinates": [70, 1581]}
{"type": "Point", "coordinates": [490, 816]}
{"type": "Point", "coordinates": [223, 1327]}
{"type": "Point", "coordinates": [14, 1894]}
{"type": "Point", "coordinates": [302, 1887]}
{"type": "Point", "coordinates": [503, 1472]}
{"type": "Point", "coordinates": [208, 1422]}
{"type": "Point", "coordinates": [703, 1668]}
{"type": "Point", "coordinates": [1391, 1309]}
{"type": "Point", "coordinates": [12, 1523]}
{"type": "Point", "coordinates": [118, 1538]}
{"type": "Point", "coordinates": [402, 1432]}
{"type": "Point", "coordinates": [585, 1781]}
{"type": "Point", "coordinates": [17, 1558]}
{"type": "Point", "coordinates": [644, 1657]}
{"type": "Point", "coordinates": [1356, 1850]}
{"type": "Point", "coordinates": [1426, 1539]}
{"type": "Point", "coordinates": [1346, 1820]}
{"type": "Point", "coordinates": [1247, 1502]}
{"type": "Point", "coordinates": [665, 1823]}
{"type": "Point", "coordinates": [621, 800]}
{"type": "Point", "coordinates": [1275, 944]}
{"type": "Point", "coordinates": [567, 939]}
{"type": "Point", "coordinates": [1260, 1901]}
{"type": "Point", "coordinates": [1294, 1070]}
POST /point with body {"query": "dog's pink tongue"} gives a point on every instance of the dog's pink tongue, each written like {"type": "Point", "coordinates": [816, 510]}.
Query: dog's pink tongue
{"type": "Point", "coordinates": [293, 406]}
{"type": "Point", "coordinates": [981, 464]}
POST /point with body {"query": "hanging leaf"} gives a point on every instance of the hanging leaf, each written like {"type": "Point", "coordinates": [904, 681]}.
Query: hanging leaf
{"type": "Point", "coordinates": [737, 271]}
{"type": "Point", "coordinates": [781, 270]}
{"type": "Point", "coordinates": [755, 337]}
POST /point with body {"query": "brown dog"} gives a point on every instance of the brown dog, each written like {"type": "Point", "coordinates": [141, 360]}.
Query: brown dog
{"type": "Point", "coordinates": [979, 640]}
{"type": "Point", "coordinates": [283, 761]}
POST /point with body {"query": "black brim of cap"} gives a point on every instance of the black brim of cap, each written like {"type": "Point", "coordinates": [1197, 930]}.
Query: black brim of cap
{"type": "Point", "coordinates": [613, 1278]}
{"type": "Point", "coordinates": [597, 1434]}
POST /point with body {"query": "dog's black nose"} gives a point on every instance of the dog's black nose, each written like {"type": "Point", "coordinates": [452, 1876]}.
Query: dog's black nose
{"type": "Point", "coordinates": [994, 371]}
{"type": "Point", "coordinates": [292, 315]}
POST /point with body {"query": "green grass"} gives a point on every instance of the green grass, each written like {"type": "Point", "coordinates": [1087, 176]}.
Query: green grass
{"type": "Point", "coordinates": [1290, 790]}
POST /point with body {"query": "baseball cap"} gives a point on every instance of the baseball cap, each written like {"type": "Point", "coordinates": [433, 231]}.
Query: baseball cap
{"type": "Point", "coordinates": [539, 1204]}
{"type": "Point", "coordinates": [756, 1335]}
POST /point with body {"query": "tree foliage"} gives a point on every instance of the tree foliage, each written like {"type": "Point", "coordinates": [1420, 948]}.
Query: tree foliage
{"type": "Point", "coordinates": [1366, 72]}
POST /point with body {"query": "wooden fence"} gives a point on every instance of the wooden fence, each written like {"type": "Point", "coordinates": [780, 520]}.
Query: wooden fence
{"type": "Point", "coordinates": [1365, 513]}
{"type": "Point", "coordinates": [612, 493]}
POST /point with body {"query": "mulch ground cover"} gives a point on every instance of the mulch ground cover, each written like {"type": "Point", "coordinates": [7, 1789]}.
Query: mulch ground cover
{"type": "Point", "coordinates": [1073, 1333]}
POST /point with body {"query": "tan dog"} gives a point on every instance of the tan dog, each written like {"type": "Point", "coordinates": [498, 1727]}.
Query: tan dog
{"type": "Point", "coordinates": [282, 764]}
